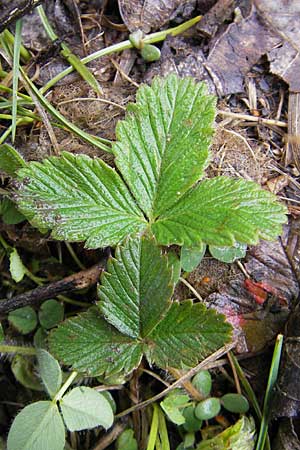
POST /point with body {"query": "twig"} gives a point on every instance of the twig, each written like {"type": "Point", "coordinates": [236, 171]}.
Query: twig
{"type": "Point", "coordinates": [111, 436]}
{"type": "Point", "coordinates": [191, 288]}
{"type": "Point", "coordinates": [222, 351]}
{"type": "Point", "coordinates": [259, 120]}
{"type": "Point", "coordinates": [74, 282]}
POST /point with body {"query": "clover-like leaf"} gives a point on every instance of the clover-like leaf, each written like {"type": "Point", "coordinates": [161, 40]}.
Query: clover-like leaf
{"type": "Point", "coordinates": [136, 291]}
{"type": "Point", "coordinates": [50, 372]}
{"type": "Point", "coordinates": [84, 407]}
{"type": "Point", "coordinates": [221, 211]}
{"type": "Point", "coordinates": [79, 198]}
{"type": "Point", "coordinates": [177, 335]}
{"type": "Point", "coordinates": [162, 146]}
{"type": "Point", "coordinates": [38, 426]}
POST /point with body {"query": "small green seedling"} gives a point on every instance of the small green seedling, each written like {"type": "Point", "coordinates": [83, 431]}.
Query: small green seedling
{"type": "Point", "coordinates": [235, 403]}
{"type": "Point", "coordinates": [202, 382]}
{"type": "Point", "coordinates": [208, 408]}
{"type": "Point", "coordinates": [41, 425]}
{"type": "Point", "coordinates": [25, 320]}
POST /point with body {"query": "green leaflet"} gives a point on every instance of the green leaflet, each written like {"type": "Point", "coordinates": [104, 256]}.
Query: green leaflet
{"type": "Point", "coordinates": [84, 407]}
{"type": "Point", "coordinates": [162, 146]}
{"type": "Point", "coordinates": [187, 334]}
{"type": "Point", "coordinates": [161, 153]}
{"type": "Point", "coordinates": [240, 436]}
{"type": "Point", "coordinates": [140, 277]}
{"type": "Point", "coordinates": [89, 344]}
{"type": "Point", "coordinates": [221, 211]}
{"type": "Point", "coordinates": [80, 199]}
{"type": "Point", "coordinates": [49, 371]}
{"type": "Point", "coordinates": [175, 335]}
{"type": "Point", "coordinates": [38, 426]}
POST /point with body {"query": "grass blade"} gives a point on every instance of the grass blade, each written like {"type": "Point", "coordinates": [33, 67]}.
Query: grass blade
{"type": "Point", "coordinates": [16, 65]}
{"type": "Point", "coordinates": [66, 52]}
{"type": "Point", "coordinates": [250, 393]}
{"type": "Point", "coordinates": [103, 144]}
{"type": "Point", "coordinates": [260, 445]}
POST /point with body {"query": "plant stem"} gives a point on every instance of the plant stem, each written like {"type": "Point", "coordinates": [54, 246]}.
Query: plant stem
{"type": "Point", "coordinates": [103, 144]}
{"type": "Point", "coordinates": [17, 349]}
{"type": "Point", "coordinates": [65, 386]}
{"type": "Point", "coordinates": [16, 65]}
{"type": "Point", "coordinates": [153, 429]}
{"type": "Point", "coordinates": [163, 431]}
{"type": "Point", "coordinates": [150, 39]}
{"type": "Point", "coordinates": [48, 28]}
{"type": "Point", "coordinates": [74, 256]}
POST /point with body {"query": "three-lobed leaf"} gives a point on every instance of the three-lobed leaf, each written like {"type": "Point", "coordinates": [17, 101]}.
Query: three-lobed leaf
{"type": "Point", "coordinates": [176, 334]}
{"type": "Point", "coordinates": [37, 426]}
{"type": "Point", "coordinates": [161, 153]}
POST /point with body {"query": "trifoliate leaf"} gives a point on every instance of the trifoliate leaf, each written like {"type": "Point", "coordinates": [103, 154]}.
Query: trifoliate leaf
{"type": "Point", "coordinates": [51, 313]}
{"type": "Point", "coordinates": [162, 145]}
{"type": "Point", "coordinates": [191, 257]}
{"type": "Point", "coordinates": [221, 211]}
{"type": "Point", "coordinates": [173, 406]}
{"type": "Point", "coordinates": [138, 287]}
{"type": "Point", "coordinates": [161, 153]}
{"type": "Point", "coordinates": [84, 408]}
{"type": "Point", "coordinates": [135, 293]}
{"type": "Point", "coordinates": [38, 426]}
{"type": "Point", "coordinates": [23, 319]}
{"type": "Point", "coordinates": [240, 436]}
{"type": "Point", "coordinates": [228, 254]}
{"type": "Point", "coordinates": [187, 334]}
{"type": "Point", "coordinates": [89, 344]}
{"type": "Point", "coordinates": [10, 160]}
{"type": "Point", "coordinates": [16, 267]}
{"type": "Point", "coordinates": [79, 198]}
{"type": "Point", "coordinates": [50, 372]}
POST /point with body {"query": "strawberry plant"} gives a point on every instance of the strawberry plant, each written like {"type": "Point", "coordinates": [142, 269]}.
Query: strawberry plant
{"type": "Point", "coordinates": [154, 196]}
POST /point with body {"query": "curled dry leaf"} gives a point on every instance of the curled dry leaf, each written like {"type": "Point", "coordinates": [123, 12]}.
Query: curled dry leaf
{"type": "Point", "coordinates": [237, 50]}
{"type": "Point", "coordinates": [150, 14]}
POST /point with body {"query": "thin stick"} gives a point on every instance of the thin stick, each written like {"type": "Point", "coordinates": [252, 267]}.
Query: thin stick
{"type": "Point", "coordinates": [193, 290]}
{"type": "Point", "coordinates": [218, 354]}
{"type": "Point", "coordinates": [235, 375]}
{"type": "Point", "coordinates": [79, 280]}
{"type": "Point", "coordinates": [250, 118]}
